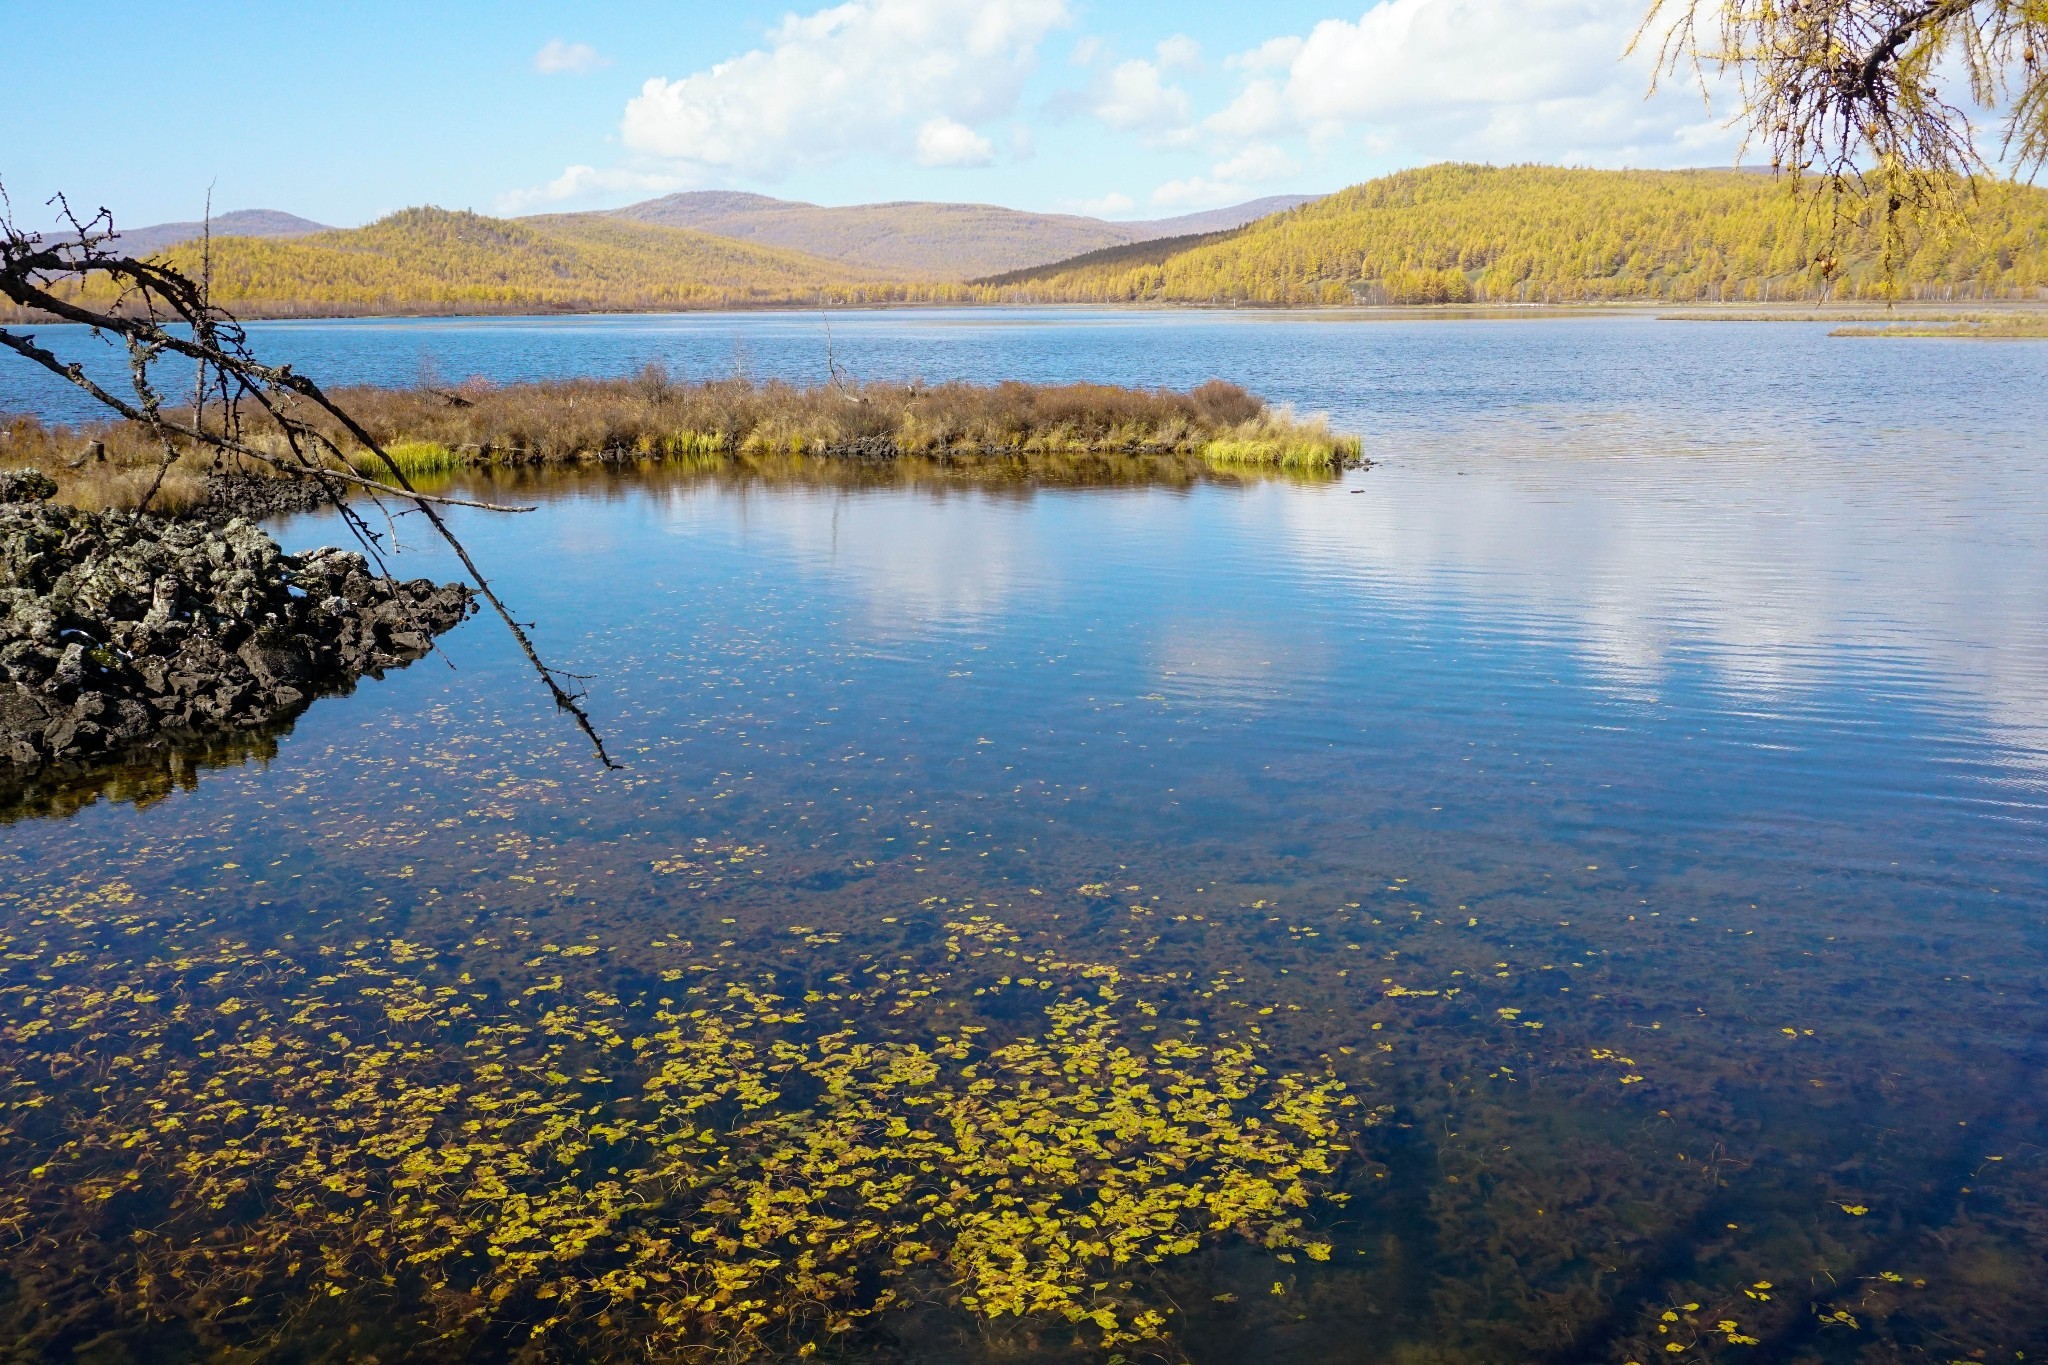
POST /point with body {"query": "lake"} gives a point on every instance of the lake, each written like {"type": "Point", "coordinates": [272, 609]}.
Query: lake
{"type": "Point", "coordinates": [1632, 791]}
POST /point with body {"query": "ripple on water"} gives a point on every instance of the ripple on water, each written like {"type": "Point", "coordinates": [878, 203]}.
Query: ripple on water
{"type": "Point", "coordinates": [1633, 795]}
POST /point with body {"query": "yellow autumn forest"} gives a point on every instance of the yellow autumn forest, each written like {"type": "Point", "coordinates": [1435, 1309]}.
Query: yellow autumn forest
{"type": "Point", "coordinates": [1447, 234]}
{"type": "Point", "coordinates": [1539, 234]}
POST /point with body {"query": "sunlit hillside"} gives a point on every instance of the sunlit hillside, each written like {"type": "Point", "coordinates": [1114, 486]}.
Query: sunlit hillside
{"type": "Point", "coordinates": [434, 260]}
{"type": "Point", "coordinates": [1533, 234]}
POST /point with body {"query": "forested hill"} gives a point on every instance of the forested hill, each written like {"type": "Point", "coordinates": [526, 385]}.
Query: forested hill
{"type": "Point", "coordinates": [1445, 234]}
{"type": "Point", "coordinates": [1457, 233]}
{"type": "Point", "coordinates": [429, 260]}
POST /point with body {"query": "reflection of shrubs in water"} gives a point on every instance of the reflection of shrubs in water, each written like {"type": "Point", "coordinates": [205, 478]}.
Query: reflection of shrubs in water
{"type": "Point", "coordinates": [998, 475]}
{"type": "Point", "coordinates": [230, 1138]}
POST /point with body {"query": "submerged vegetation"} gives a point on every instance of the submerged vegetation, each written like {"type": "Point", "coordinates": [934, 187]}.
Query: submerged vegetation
{"type": "Point", "coordinates": [1011, 427]}
{"type": "Point", "coordinates": [677, 1157]}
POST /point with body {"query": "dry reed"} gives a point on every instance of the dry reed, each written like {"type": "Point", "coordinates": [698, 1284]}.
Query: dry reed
{"type": "Point", "coordinates": [651, 416]}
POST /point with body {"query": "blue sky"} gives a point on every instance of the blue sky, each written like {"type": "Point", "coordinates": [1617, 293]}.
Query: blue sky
{"type": "Point", "coordinates": [346, 112]}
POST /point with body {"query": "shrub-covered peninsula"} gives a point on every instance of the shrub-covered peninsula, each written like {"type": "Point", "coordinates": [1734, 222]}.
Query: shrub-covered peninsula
{"type": "Point", "coordinates": [1012, 429]}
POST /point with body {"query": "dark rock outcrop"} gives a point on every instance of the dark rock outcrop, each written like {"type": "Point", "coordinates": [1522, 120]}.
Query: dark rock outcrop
{"type": "Point", "coordinates": [866, 448]}
{"type": "Point", "coordinates": [257, 497]}
{"type": "Point", "coordinates": [118, 630]}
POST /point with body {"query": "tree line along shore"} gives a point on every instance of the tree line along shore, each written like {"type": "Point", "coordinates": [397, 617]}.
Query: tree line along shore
{"type": "Point", "coordinates": [1447, 234]}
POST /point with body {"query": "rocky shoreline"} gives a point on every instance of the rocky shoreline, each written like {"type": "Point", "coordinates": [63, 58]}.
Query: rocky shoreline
{"type": "Point", "coordinates": [257, 497]}
{"type": "Point", "coordinates": [119, 632]}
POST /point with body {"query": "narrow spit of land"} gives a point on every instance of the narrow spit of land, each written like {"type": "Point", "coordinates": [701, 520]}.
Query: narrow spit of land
{"type": "Point", "coordinates": [1979, 326]}
{"type": "Point", "coordinates": [1011, 429]}
{"type": "Point", "coordinates": [1905, 321]}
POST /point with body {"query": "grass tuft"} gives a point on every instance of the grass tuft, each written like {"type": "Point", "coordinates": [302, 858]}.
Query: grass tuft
{"type": "Point", "coordinates": [415, 458]}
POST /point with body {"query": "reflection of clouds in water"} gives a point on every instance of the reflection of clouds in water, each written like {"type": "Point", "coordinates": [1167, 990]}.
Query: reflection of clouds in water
{"type": "Point", "coordinates": [918, 560]}
{"type": "Point", "coordinates": [1231, 662]}
{"type": "Point", "coordinates": [1903, 560]}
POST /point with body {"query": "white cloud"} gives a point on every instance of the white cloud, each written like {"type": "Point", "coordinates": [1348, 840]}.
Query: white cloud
{"type": "Point", "coordinates": [1108, 206]}
{"type": "Point", "coordinates": [1136, 96]}
{"type": "Point", "coordinates": [1536, 79]}
{"type": "Point", "coordinates": [862, 76]}
{"type": "Point", "coordinates": [1085, 51]}
{"type": "Point", "coordinates": [1262, 161]}
{"type": "Point", "coordinates": [1402, 55]}
{"type": "Point", "coordinates": [1199, 192]}
{"type": "Point", "coordinates": [1178, 52]}
{"type": "Point", "coordinates": [557, 58]}
{"type": "Point", "coordinates": [586, 183]}
{"type": "Point", "coordinates": [942, 142]}
{"type": "Point", "coordinates": [1275, 54]}
{"type": "Point", "coordinates": [1260, 110]}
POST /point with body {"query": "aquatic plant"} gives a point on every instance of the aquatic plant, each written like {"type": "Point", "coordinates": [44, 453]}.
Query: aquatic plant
{"type": "Point", "coordinates": [415, 458]}
{"type": "Point", "coordinates": [229, 1135]}
{"type": "Point", "coordinates": [1282, 452]}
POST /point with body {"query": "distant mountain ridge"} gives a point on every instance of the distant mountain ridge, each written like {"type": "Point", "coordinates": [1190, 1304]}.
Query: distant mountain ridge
{"type": "Point", "coordinates": [440, 261]}
{"type": "Point", "coordinates": [147, 241]}
{"type": "Point", "coordinates": [918, 240]}
{"type": "Point", "coordinates": [1219, 220]}
{"type": "Point", "coordinates": [898, 240]}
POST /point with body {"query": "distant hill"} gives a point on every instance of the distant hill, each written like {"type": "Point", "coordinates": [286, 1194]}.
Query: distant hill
{"type": "Point", "coordinates": [1483, 234]}
{"type": "Point", "coordinates": [429, 260]}
{"type": "Point", "coordinates": [146, 241]}
{"type": "Point", "coordinates": [1218, 220]}
{"type": "Point", "coordinates": [1109, 258]}
{"type": "Point", "coordinates": [913, 240]}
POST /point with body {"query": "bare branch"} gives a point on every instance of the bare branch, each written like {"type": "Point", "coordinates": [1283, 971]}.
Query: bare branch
{"type": "Point", "coordinates": [149, 299]}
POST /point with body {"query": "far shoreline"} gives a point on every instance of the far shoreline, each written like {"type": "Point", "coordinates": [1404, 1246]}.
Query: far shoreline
{"type": "Point", "coordinates": [1913, 310]}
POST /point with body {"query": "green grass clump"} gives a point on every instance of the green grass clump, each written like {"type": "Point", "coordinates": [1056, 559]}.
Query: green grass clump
{"type": "Point", "coordinates": [414, 458]}
{"type": "Point", "coordinates": [684, 443]}
{"type": "Point", "coordinates": [1281, 454]}
{"type": "Point", "coordinates": [1280, 440]}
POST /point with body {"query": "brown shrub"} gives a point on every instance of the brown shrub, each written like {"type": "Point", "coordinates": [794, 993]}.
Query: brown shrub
{"type": "Point", "coordinates": [653, 415]}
